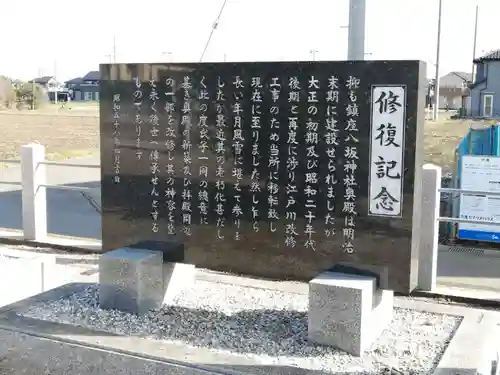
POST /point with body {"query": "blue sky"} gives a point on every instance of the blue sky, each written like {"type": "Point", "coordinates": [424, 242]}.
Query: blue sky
{"type": "Point", "coordinates": [249, 30]}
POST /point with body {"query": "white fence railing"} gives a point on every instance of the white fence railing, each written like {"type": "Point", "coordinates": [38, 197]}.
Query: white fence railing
{"type": "Point", "coordinates": [429, 223]}
{"type": "Point", "coordinates": [33, 189]}
{"type": "Point", "coordinates": [8, 161]}
{"type": "Point", "coordinates": [34, 206]}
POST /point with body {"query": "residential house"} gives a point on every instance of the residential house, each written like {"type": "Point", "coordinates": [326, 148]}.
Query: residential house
{"type": "Point", "coordinates": [17, 84]}
{"type": "Point", "coordinates": [72, 83]}
{"type": "Point", "coordinates": [453, 89]}
{"type": "Point", "coordinates": [49, 83]}
{"type": "Point", "coordinates": [429, 93]}
{"type": "Point", "coordinates": [485, 90]}
{"type": "Point", "coordinates": [85, 88]}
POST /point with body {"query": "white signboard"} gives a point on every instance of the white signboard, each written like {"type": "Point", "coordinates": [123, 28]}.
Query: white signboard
{"type": "Point", "coordinates": [480, 173]}
{"type": "Point", "coordinates": [387, 143]}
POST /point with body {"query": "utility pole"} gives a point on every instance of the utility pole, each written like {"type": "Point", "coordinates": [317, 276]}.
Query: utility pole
{"type": "Point", "coordinates": [55, 78]}
{"type": "Point", "coordinates": [475, 43]}
{"type": "Point", "coordinates": [114, 49]}
{"type": "Point", "coordinates": [33, 89]}
{"type": "Point", "coordinates": [313, 54]}
{"type": "Point", "coordinates": [356, 32]}
{"type": "Point", "coordinates": [365, 53]}
{"type": "Point", "coordinates": [438, 53]}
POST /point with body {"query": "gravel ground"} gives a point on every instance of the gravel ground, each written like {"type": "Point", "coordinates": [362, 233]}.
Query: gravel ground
{"type": "Point", "coordinates": [266, 325]}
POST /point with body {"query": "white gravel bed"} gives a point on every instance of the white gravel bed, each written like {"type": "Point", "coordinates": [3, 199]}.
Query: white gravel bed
{"type": "Point", "coordinates": [266, 325]}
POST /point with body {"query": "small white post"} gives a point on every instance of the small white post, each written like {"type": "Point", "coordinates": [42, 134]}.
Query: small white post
{"type": "Point", "coordinates": [34, 197]}
{"type": "Point", "coordinates": [429, 227]}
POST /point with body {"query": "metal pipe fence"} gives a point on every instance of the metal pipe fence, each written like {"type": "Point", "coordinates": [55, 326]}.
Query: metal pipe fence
{"type": "Point", "coordinates": [33, 188]}
{"type": "Point", "coordinates": [58, 164]}
{"type": "Point", "coordinates": [457, 220]}
{"type": "Point", "coordinates": [10, 161]}
{"type": "Point", "coordinates": [65, 187]}
{"type": "Point", "coordinates": [51, 163]}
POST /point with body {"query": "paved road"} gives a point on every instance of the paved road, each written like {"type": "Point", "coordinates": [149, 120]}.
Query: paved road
{"type": "Point", "coordinates": [25, 354]}
{"type": "Point", "coordinates": [469, 275]}
{"type": "Point", "coordinates": [70, 213]}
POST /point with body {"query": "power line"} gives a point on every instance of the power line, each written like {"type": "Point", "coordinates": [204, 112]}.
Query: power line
{"type": "Point", "coordinates": [214, 26]}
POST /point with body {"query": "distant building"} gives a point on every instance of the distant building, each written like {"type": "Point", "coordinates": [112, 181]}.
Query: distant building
{"type": "Point", "coordinates": [485, 90]}
{"type": "Point", "coordinates": [453, 89]}
{"type": "Point", "coordinates": [17, 84]}
{"type": "Point", "coordinates": [429, 93]}
{"type": "Point", "coordinates": [50, 84]}
{"type": "Point", "coordinates": [85, 88]}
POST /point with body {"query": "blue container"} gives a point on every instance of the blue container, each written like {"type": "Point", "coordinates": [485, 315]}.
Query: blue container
{"type": "Point", "coordinates": [479, 142]}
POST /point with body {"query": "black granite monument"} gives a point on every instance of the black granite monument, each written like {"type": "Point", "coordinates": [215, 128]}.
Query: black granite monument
{"type": "Point", "coordinates": [274, 169]}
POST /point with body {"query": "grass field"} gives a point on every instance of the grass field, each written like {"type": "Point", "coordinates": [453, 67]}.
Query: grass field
{"type": "Point", "coordinates": [74, 132]}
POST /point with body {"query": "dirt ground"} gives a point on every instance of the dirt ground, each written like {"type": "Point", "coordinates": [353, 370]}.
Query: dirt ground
{"type": "Point", "coordinates": [75, 132]}
{"type": "Point", "coordinates": [442, 137]}
{"type": "Point", "coordinates": [65, 132]}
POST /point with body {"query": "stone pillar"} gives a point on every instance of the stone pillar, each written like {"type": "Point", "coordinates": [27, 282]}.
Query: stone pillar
{"type": "Point", "coordinates": [429, 227]}
{"type": "Point", "coordinates": [34, 197]}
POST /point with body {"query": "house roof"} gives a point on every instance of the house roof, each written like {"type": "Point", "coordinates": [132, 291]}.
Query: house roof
{"type": "Point", "coordinates": [74, 80]}
{"type": "Point", "coordinates": [93, 75]}
{"type": "Point", "coordinates": [42, 80]}
{"type": "Point", "coordinates": [455, 79]}
{"type": "Point", "coordinates": [490, 56]}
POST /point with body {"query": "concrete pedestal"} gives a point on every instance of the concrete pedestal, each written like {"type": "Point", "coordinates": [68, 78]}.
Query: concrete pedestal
{"type": "Point", "coordinates": [347, 311]}
{"type": "Point", "coordinates": [137, 280]}
{"type": "Point", "coordinates": [131, 280]}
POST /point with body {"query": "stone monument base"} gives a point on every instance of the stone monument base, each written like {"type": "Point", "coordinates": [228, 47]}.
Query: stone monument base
{"type": "Point", "coordinates": [347, 311]}
{"type": "Point", "coordinates": [137, 280]}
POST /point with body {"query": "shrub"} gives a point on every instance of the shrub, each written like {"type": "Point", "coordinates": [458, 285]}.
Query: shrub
{"type": "Point", "coordinates": [7, 93]}
{"type": "Point", "coordinates": [27, 93]}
